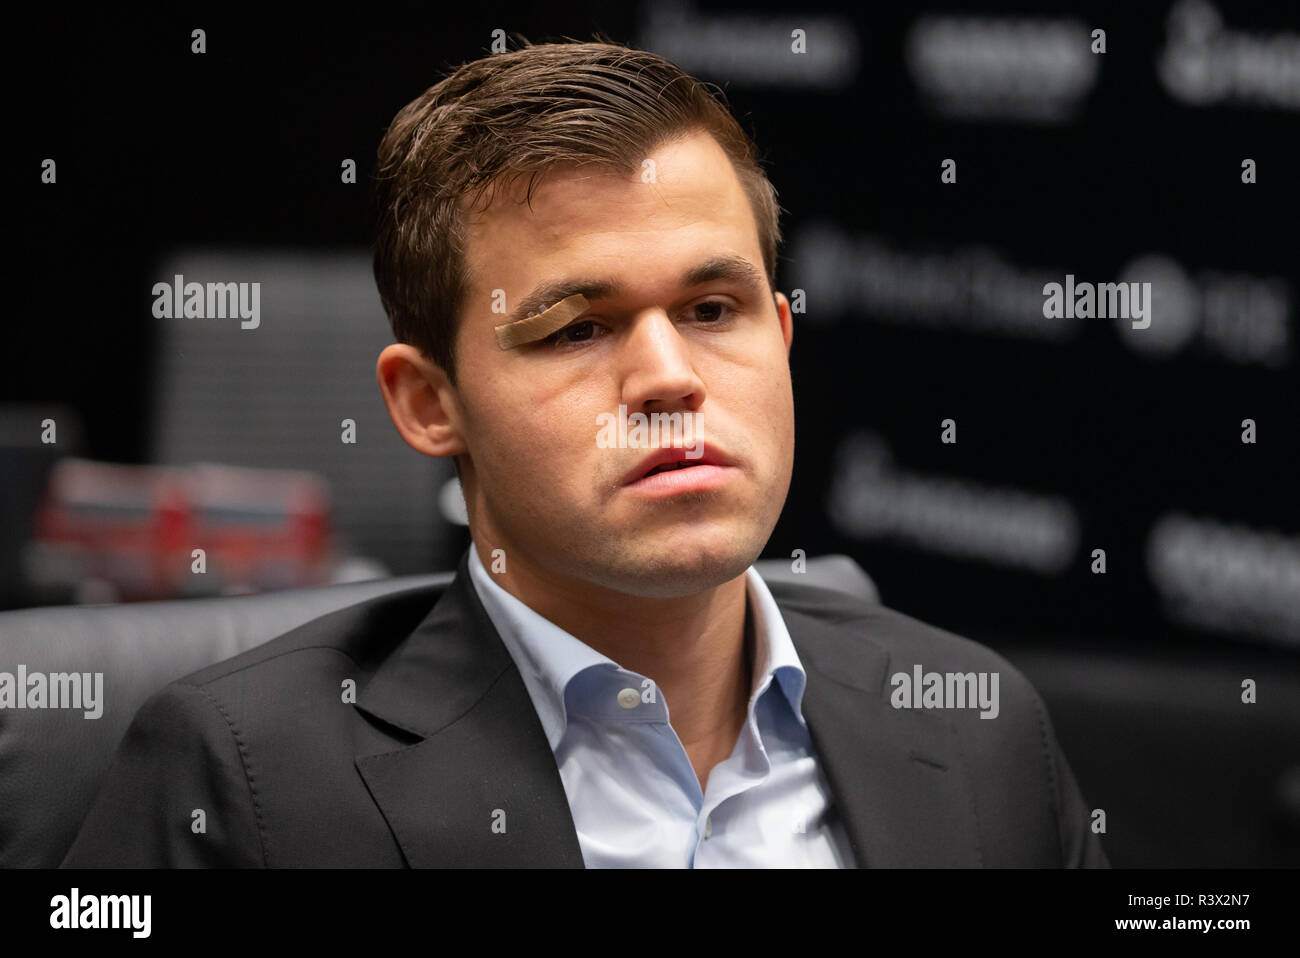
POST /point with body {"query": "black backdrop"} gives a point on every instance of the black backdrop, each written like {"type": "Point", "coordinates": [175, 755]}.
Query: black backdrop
{"type": "Point", "coordinates": [1067, 162]}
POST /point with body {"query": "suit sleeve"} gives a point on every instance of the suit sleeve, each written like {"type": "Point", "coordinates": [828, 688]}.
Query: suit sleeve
{"type": "Point", "coordinates": [178, 794]}
{"type": "Point", "coordinates": [1080, 845]}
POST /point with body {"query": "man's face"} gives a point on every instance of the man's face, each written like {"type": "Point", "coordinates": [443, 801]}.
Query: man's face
{"type": "Point", "coordinates": [538, 480]}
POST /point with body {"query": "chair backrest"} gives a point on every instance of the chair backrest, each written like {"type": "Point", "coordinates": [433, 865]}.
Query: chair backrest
{"type": "Point", "coordinates": [53, 759]}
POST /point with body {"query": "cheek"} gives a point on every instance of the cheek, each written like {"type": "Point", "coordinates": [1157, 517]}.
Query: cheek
{"type": "Point", "coordinates": [771, 388]}
{"type": "Point", "coordinates": [776, 434]}
{"type": "Point", "coordinates": [536, 455]}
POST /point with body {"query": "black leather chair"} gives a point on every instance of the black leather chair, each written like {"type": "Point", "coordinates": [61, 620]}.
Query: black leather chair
{"type": "Point", "coordinates": [52, 760]}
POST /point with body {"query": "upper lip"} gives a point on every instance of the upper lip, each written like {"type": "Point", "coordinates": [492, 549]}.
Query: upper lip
{"type": "Point", "coordinates": [713, 456]}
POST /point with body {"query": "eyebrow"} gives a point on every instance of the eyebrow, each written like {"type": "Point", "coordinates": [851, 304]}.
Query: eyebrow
{"type": "Point", "coordinates": [547, 294]}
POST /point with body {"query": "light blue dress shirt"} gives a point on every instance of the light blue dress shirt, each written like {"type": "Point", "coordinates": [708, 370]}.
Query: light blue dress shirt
{"type": "Point", "coordinates": [633, 794]}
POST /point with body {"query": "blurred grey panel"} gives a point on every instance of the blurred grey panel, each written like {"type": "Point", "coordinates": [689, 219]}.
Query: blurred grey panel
{"type": "Point", "coordinates": [275, 395]}
{"type": "Point", "coordinates": [25, 463]}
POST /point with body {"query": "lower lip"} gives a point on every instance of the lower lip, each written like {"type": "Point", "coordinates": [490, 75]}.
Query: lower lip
{"type": "Point", "coordinates": [675, 481]}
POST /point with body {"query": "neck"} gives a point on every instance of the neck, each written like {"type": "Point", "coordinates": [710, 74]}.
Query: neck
{"type": "Point", "coordinates": [695, 648]}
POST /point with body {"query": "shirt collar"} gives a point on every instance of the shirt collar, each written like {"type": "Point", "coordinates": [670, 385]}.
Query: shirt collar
{"type": "Point", "coordinates": [550, 659]}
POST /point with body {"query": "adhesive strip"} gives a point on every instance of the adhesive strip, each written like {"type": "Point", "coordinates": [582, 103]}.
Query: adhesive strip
{"type": "Point", "coordinates": [532, 328]}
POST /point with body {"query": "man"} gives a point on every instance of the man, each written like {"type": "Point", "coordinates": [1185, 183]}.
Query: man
{"type": "Point", "coordinates": [574, 240]}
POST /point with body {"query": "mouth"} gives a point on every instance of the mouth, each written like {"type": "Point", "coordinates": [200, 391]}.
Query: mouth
{"type": "Point", "coordinates": [677, 458]}
{"type": "Point", "coordinates": [670, 469]}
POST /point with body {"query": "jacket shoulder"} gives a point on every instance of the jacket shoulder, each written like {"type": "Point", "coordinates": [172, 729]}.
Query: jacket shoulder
{"type": "Point", "coordinates": [902, 637]}
{"type": "Point", "coordinates": [1025, 798]}
{"type": "Point", "coordinates": [363, 634]}
{"type": "Point", "coordinates": [262, 743]}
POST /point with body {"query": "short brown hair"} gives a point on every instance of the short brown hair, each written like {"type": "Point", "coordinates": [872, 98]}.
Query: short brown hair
{"type": "Point", "coordinates": [520, 112]}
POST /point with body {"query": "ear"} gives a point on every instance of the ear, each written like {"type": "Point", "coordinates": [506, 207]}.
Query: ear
{"type": "Point", "coordinates": [786, 319]}
{"type": "Point", "coordinates": [421, 401]}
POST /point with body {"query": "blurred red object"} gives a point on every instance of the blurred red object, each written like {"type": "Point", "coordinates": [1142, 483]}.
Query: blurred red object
{"type": "Point", "coordinates": [266, 529]}
{"type": "Point", "coordinates": [152, 532]}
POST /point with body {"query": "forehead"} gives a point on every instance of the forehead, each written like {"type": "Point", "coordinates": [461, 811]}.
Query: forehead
{"type": "Point", "coordinates": [685, 201]}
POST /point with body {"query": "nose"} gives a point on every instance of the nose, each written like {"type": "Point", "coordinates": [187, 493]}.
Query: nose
{"type": "Point", "coordinates": [658, 371]}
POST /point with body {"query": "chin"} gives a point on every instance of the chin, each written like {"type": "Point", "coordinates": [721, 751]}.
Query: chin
{"type": "Point", "coordinates": [690, 567]}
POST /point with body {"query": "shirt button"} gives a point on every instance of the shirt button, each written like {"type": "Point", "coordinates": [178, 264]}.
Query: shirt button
{"type": "Point", "coordinates": [629, 698]}
{"type": "Point", "coordinates": [708, 826]}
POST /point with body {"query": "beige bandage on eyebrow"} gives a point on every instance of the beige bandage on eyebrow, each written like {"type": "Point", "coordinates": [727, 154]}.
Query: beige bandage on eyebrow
{"type": "Point", "coordinates": [532, 328]}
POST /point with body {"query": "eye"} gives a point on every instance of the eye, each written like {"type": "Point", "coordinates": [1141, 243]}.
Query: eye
{"type": "Point", "coordinates": [712, 313]}
{"type": "Point", "coordinates": [575, 334]}
{"type": "Point", "coordinates": [715, 312]}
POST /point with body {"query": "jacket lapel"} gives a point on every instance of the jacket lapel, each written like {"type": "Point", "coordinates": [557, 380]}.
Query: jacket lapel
{"type": "Point", "coordinates": [895, 773]}
{"type": "Point", "coordinates": [478, 785]}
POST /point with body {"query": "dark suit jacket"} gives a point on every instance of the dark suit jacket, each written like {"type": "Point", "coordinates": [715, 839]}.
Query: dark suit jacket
{"type": "Point", "coordinates": [288, 772]}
